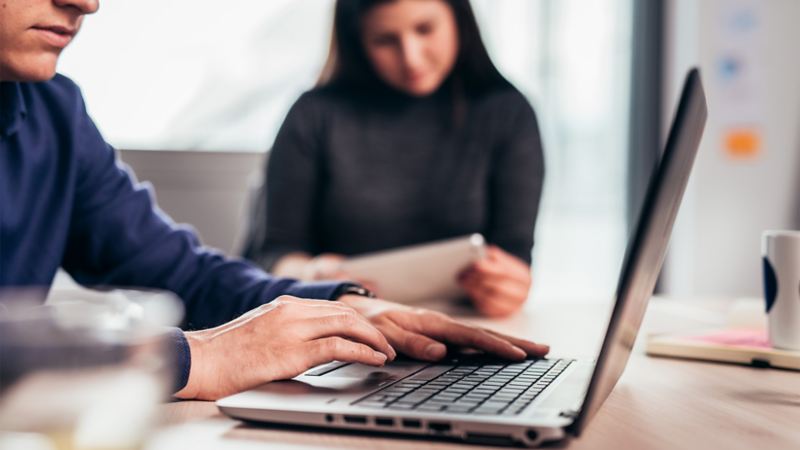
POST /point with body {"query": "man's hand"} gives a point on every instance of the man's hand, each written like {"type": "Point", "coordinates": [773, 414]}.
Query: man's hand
{"type": "Point", "coordinates": [498, 284]}
{"type": "Point", "coordinates": [288, 336]}
{"type": "Point", "coordinates": [425, 334]}
{"type": "Point", "coordinates": [276, 341]}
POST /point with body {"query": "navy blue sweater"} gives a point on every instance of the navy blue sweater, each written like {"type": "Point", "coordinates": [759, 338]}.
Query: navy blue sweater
{"type": "Point", "coordinates": [65, 201]}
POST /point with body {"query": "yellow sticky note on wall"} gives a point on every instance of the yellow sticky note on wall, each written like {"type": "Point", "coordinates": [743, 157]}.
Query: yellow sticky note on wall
{"type": "Point", "coordinates": [742, 143]}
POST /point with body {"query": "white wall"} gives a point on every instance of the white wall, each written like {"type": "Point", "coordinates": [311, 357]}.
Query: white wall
{"type": "Point", "coordinates": [716, 244]}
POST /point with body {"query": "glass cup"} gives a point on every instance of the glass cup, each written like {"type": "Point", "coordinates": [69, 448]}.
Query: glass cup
{"type": "Point", "coordinates": [84, 373]}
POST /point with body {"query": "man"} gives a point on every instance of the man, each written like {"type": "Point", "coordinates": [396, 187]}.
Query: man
{"type": "Point", "coordinates": [66, 202]}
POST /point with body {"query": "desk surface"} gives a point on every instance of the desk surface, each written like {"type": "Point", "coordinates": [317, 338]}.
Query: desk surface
{"type": "Point", "coordinates": [658, 403]}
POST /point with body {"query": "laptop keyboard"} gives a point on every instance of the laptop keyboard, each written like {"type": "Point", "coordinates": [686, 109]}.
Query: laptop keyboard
{"type": "Point", "coordinates": [471, 389]}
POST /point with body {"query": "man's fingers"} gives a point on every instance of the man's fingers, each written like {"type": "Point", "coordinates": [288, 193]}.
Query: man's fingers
{"type": "Point", "coordinates": [346, 323]}
{"type": "Point", "coordinates": [447, 330]}
{"type": "Point", "coordinates": [530, 347]}
{"type": "Point", "coordinates": [412, 344]}
{"type": "Point", "coordinates": [329, 349]}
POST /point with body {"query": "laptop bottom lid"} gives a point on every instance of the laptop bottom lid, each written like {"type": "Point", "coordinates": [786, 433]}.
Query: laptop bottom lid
{"type": "Point", "coordinates": [343, 396]}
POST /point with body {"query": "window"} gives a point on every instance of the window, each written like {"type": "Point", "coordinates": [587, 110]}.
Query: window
{"type": "Point", "coordinates": [188, 75]}
{"type": "Point", "coordinates": [572, 59]}
{"type": "Point", "coordinates": [197, 75]}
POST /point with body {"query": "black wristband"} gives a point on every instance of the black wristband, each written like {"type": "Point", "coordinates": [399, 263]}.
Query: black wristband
{"type": "Point", "coordinates": [351, 289]}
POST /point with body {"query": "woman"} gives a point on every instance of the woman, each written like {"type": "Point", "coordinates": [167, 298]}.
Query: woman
{"type": "Point", "coordinates": [411, 136]}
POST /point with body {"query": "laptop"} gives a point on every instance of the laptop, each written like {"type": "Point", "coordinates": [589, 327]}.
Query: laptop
{"type": "Point", "coordinates": [491, 401]}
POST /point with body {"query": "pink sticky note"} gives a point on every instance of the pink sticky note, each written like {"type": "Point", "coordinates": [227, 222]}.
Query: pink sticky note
{"type": "Point", "coordinates": [738, 338]}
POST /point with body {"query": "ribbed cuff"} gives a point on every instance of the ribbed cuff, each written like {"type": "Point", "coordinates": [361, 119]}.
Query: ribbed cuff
{"type": "Point", "coordinates": [182, 357]}
{"type": "Point", "coordinates": [321, 290]}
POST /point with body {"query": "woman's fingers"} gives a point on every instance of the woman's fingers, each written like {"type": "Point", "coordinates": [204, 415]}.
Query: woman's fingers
{"type": "Point", "coordinates": [501, 271]}
{"type": "Point", "coordinates": [499, 278]}
{"type": "Point", "coordinates": [493, 298]}
{"type": "Point", "coordinates": [502, 265]}
{"type": "Point", "coordinates": [490, 308]}
{"type": "Point", "coordinates": [501, 290]}
{"type": "Point", "coordinates": [323, 267]}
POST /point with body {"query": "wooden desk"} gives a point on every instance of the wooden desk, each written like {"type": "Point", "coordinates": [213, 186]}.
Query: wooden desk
{"type": "Point", "coordinates": [658, 403]}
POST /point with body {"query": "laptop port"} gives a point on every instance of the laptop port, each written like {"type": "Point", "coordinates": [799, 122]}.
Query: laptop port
{"type": "Point", "coordinates": [533, 435]}
{"type": "Point", "coordinates": [439, 427]}
{"type": "Point", "coordinates": [384, 421]}
{"type": "Point", "coordinates": [490, 439]}
{"type": "Point", "coordinates": [361, 420]}
{"type": "Point", "coordinates": [329, 418]}
{"type": "Point", "coordinates": [412, 423]}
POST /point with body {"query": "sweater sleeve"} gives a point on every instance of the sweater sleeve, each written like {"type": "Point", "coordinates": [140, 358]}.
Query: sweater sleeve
{"type": "Point", "coordinates": [515, 187]}
{"type": "Point", "coordinates": [118, 237]}
{"type": "Point", "coordinates": [283, 218]}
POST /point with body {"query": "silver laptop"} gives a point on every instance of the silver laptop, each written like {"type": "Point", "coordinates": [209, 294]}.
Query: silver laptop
{"type": "Point", "coordinates": [490, 401]}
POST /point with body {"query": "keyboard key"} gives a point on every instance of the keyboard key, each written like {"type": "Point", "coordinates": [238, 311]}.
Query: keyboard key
{"type": "Point", "coordinates": [458, 408]}
{"type": "Point", "coordinates": [430, 408]}
{"type": "Point", "coordinates": [372, 404]}
{"type": "Point", "coordinates": [402, 406]}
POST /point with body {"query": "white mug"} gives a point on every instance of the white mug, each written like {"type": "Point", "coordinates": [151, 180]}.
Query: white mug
{"type": "Point", "coordinates": [781, 258]}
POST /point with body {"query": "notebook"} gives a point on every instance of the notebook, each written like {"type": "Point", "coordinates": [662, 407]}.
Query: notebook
{"type": "Point", "coordinates": [748, 346]}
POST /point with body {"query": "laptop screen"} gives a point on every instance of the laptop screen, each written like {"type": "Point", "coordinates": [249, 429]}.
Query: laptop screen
{"type": "Point", "coordinates": [647, 246]}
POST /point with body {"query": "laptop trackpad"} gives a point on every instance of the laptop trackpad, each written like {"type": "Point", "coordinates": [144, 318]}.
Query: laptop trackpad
{"type": "Point", "coordinates": [344, 378]}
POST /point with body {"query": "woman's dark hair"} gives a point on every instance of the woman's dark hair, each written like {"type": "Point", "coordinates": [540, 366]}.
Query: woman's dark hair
{"type": "Point", "coordinates": [348, 64]}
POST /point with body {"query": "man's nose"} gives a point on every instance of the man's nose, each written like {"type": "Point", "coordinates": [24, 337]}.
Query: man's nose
{"type": "Point", "coordinates": [84, 6]}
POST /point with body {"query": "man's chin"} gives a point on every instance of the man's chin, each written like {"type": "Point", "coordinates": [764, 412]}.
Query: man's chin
{"type": "Point", "coordinates": [40, 74]}
{"type": "Point", "coordinates": [38, 69]}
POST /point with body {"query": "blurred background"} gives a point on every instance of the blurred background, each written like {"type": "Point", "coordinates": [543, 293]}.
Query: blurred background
{"type": "Point", "coordinates": [192, 93]}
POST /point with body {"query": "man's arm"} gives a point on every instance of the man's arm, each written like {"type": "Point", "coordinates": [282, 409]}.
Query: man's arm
{"type": "Point", "coordinates": [118, 237]}
{"type": "Point", "coordinates": [247, 352]}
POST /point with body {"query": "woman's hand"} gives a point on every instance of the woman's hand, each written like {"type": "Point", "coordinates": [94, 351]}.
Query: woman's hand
{"type": "Point", "coordinates": [302, 266]}
{"type": "Point", "coordinates": [327, 266]}
{"type": "Point", "coordinates": [424, 334]}
{"type": "Point", "coordinates": [498, 284]}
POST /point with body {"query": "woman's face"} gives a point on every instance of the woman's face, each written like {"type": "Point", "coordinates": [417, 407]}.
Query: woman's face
{"type": "Point", "coordinates": [412, 44]}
